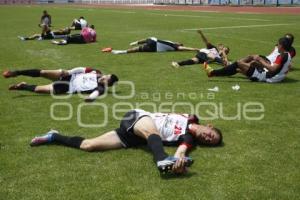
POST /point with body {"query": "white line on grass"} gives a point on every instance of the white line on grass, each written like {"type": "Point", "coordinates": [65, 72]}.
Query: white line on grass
{"type": "Point", "coordinates": [234, 27]}
{"type": "Point", "coordinates": [198, 16]}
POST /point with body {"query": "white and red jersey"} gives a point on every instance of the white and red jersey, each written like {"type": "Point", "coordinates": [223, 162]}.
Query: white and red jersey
{"type": "Point", "coordinates": [170, 125]}
{"type": "Point", "coordinates": [88, 34]}
{"type": "Point", "coordinates": [83, 79]}
{"type": "Point", "coordinates": [284, 61]}
{"type": "Point", "coordinates": [273, 55]}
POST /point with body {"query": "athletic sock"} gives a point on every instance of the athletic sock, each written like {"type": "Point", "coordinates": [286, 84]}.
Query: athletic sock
{"type": "Point", "coordinates": [156, 146]}
{"type": "Point", "coordinates": [26, 87]}
{"type": "Point", "coordinates": [29, 72]}
{"type": "Point", "coordinates": [74, 141]}
{"type": "Point", "coordinates": [187, 62]}
{"type": "Point", "coordinates": [226, 71]}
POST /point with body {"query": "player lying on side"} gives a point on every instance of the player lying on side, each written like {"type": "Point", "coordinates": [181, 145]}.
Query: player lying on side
{"type": "Point", "coordinates": [211, 53]}
{"type": "Point", "coordinates": [153, 44]}
{"type": "Point", "coordinates": [81, 79]}
{"type": "Point", "coordinates": [139, 127]}
{"type": "Point", "coordinates": [87, 35]}
{"type": "Point", "coordinates": [48, 34]}
{"type": "Point", "coordinates": [79, 24]}
{"type": "Point", "coordinates": [265, 71]}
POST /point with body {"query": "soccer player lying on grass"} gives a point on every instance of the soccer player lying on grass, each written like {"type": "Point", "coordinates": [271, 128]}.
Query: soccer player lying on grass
{"type": "Point", "coordinates": [139, 127]}
{"type": "Point", "coordinates": [79, 24]}
{"type": "Point", "coordinates": [153, 44]}
{"type": "Point", "coordinates": [263, 70]}
{"type": "Point", "coordinates": [87, 35]}
{"type": "Point", "coordinates": [81, 79]}
{"type": "Point", "coordinates": [209, 54]}
{"type": "Point", "coordinates": [48, 34]}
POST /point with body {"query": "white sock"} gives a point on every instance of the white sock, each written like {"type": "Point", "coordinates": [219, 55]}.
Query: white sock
{"type": "Point", "coordinates": [133, 43]}
{"type": "Point", "coordinates": [118, 51]}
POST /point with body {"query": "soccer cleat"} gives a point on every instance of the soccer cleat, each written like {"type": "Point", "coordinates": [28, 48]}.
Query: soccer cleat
{"type": "Point", "coordinates": [166, 165]}
{"type": "Point", "coordinates": [17, 86]}
{"type": "Point", "coordinates": [9, 74]}
{"type": "Point", "coordinates": [208, 69]}
{"type": "Point", "coordinates": [107, 49]}
{"type": "Point", "coordinates": [21, 38]}
{"type": "Point", "coordinates": [175, 64]}
{"type": "Point", "coordinates": [45, 139]}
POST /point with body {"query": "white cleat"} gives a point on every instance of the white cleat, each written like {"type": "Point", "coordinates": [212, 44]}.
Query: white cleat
{"type": "Point", "coordinates": [175, 64]}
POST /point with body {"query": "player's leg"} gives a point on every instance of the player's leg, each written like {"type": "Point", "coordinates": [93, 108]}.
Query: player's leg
{"type": "Point", "coordinates": [109, 140]}
{"type": "Point", "coordinates": [191, 61]}
{"type": "Point", "coordinates": [46, 89]}
{"type": "Point", "coordinates": [229, 70]}
{"type": "Point", "coordinates": [49, 74]}
{"type": "Point", "coordinates": [32, 37]}
{"type": "Point", "coordinates": [143, 41]}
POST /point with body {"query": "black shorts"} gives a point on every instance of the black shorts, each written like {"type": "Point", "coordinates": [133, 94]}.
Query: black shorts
{"type": "Point", "coordinates": [202, 57]}
{"type": "Point", "coordinates": [62, 85]}
{"type": "Point", "coordinates": [75, 39]}
{"type": "Point", "coordinates": [125, 132]}
{"type": "Point", "coordinates": [47, 36]}
{"type": "Point", "coordinates": [150, 46]}
{"type": "Point", "coordinates": [77, 26]}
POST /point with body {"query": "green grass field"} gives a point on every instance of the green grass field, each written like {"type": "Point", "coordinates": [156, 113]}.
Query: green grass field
{"type": "Point", "coordinates": [260, 159]}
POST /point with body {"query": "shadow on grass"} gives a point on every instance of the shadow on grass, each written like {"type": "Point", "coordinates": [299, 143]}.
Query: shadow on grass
{"type": "Point", "coordinates": [31, 95]}
{"type": "Point", "coordinates": [242, 79]}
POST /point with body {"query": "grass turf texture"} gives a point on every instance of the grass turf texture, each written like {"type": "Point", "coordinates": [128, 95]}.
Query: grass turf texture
{"type": "Point", "coordinates": [260, 159]}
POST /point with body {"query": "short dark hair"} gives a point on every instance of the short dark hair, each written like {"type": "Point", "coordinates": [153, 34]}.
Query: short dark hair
{"type": "Point", "coordinates": [92, 26]}
{"type": "Point", "coordinates": [284, 42]}
{"type": "Point", "coordinates": [112, 80]}
{"type": "Point", "coordinates": [290, 38]}
{"type": "Point", "coordinates": [81, 17]}
{"type": "Point", "coordinates": [219, 132]}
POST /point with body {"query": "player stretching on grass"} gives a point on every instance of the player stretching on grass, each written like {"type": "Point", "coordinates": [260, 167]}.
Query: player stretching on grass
{"type": "Point", "coordinates": [153, 44]}
{"type": "Point", "coordinates": [263, 70]}
{"type": "Point", "coordinates": [139, 127]}
{"type": "Point", "coordinates": [48, 34]}
{"type": "Point", "coordinates": [87, 35]}
{"type": "Point", "coordinates": [209, 54]}
{"type": "Point", "coordinates": [79, 24]}
{"type": "Point", "coordinates": [80, 79]}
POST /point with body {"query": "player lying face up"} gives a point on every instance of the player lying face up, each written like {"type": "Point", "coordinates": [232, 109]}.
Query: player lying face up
{"type": "Point", "coordinates": [77, 80]}
{"type": "Point", "coordinates": [139, 128]}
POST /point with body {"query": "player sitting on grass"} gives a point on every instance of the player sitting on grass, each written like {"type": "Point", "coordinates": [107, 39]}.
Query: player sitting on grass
{"type": "Point", "coordinates": [275, 53]}
{"type": "Point", "coordinates": [48, 34]}
{"type": "Point", "coordinates": [80, 79]}
{"type": "Point", "coordinates": [263, 71]}
{"type": "Point", "coordinates": [87, 35]}
{"type": "Point", "coordinates": [79, 24]}
{"type": "Point", "coordinates": [139, 127]}
{"type": "Point", "coordinates": [209, 54]}
{"type": "Point", "coordinates": [153, 44]}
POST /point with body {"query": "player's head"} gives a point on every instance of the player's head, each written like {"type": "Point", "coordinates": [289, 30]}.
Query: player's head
{"type": "Point", "coordinates": [92, 26]}
{"type": "Point", "coordinates": [290, 38]}
{"type": "Point", "coordinates": [45, 12]}
{"type": "Point", "coordinates": [207, 135]}
{"type": "Point", "coordinates": [109, 79]}
{"type": "Point", "coordinates": [81, 17]}
{"type": "Point", "coordinates": [283, 44]}
{"type": "Point", "coordinates": [223, 48]}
